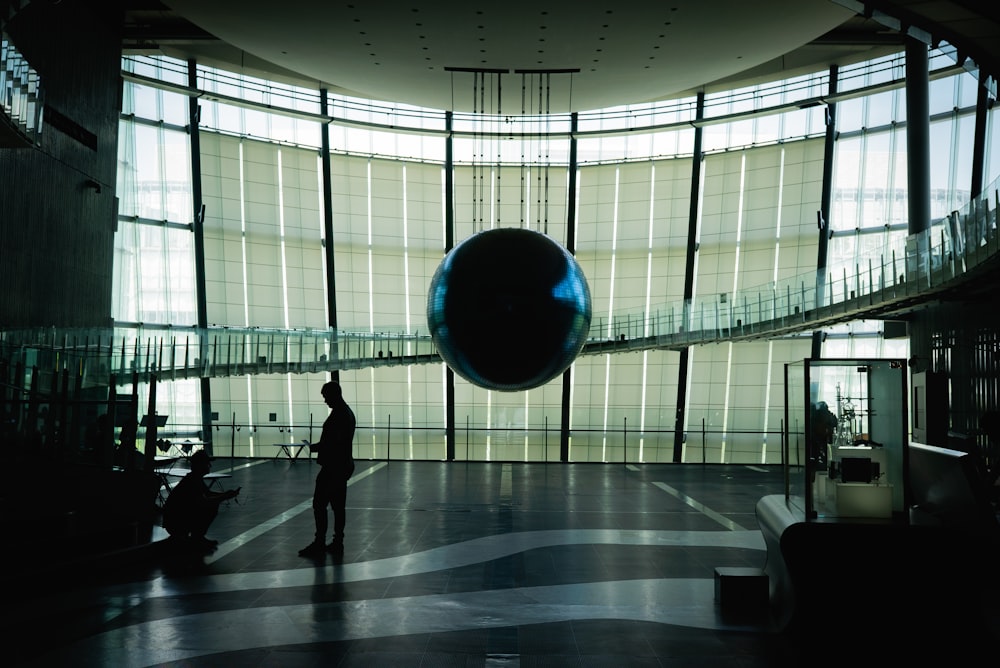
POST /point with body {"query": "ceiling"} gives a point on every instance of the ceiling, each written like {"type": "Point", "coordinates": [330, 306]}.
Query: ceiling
{"type": "Point", "coordinates": [538, 56]}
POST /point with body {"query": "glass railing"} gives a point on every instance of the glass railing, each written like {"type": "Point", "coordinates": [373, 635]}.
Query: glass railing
{"type": "Point", "coordinates": [392, 439]}
{"type": "Point", "coordinates": [138, 354]}
{"type": "Point", "coordinates": [930, 262]}
{"type": "Point", "coordinates": [20, 97]}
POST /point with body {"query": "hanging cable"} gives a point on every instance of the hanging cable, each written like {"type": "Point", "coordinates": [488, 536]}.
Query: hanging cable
{"type": "Point", "coordinates": [538, 155]}
{"type": "Point", "coordinates": [499, 143]}
{"type": "Point", "coordinates": [548, 116]}
{"type": "Point", "coordinates": [523, 142]}
{"type": "Point", "coordinates": [486, 128]}
{"type": "Point", "coordinates": [475, 144]}
{"type": "Point", "coordinates": [477, 164]}
{"type": "Point", "coordinates": [540, 134]}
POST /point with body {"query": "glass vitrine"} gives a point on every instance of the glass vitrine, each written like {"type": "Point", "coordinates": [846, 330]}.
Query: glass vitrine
{"type": "Point", "coordinates": [846, 429]}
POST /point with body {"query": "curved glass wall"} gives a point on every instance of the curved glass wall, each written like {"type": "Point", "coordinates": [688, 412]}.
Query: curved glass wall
{"type": "Point", "coordinates": [756, 204]}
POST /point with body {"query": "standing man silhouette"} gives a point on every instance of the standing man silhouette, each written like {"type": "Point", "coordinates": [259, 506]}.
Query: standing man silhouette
{"type": "Point", "coordinates": [334, 454]}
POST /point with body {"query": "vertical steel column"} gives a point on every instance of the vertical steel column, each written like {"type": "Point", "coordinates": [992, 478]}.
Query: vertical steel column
{"type": "Point", "coordinates": [449, 243]}
{"type": "Point", "coordinates": [567, 379]}
{"type": "Point", "coordinates": [331, 275]}
{"type": "Point", "coordinates": [682, 372]}
{"type": "Point", "coordinates": [194, 117]}
{"type": "Point", "coordinates": [979, 136]}
{"type": "Point", "coordinates": [824, 208]}
{"type": "Point", "coordinates": [918, 137]}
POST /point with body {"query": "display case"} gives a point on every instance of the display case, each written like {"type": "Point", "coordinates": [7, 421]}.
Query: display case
{"type": "Point", "coordinates": [845, 437]}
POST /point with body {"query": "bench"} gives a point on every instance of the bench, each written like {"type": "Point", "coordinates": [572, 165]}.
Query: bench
{"type": "Point", "coordinates": [927, 580]}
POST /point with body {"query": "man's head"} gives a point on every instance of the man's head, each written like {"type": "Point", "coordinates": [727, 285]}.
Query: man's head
{"type": "Point", "coordinates": [332, 393]}
{"type": "Point", "coordinates": [200, 463]}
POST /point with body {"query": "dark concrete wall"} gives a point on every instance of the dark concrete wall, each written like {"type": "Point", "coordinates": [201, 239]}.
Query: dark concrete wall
{"type": "Point", "coordinates": [57, 200]}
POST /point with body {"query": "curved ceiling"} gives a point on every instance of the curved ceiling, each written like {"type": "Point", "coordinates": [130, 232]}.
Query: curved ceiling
{"type": "Point", "coordinates": [545, 55]}
{"type": "Point", "coordinates": [595, 54]}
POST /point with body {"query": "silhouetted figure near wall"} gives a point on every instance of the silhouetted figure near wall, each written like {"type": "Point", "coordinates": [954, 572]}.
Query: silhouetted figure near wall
{"type": "Point", "coordinates": [824, 425]}
{"type": "Point", "coordinates": [191, 506]}
{"type": "Point", "coordinates": [334, 454]}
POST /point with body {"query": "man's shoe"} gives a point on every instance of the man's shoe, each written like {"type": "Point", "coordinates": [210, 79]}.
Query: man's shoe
{"type": "Point", "coordinates": [313, 549]}
{"type": "Point", "coordinates": [335, 547]}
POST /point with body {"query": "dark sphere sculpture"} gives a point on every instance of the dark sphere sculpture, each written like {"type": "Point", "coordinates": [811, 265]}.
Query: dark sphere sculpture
{"type": "Point", "coordinates": [509, 309]}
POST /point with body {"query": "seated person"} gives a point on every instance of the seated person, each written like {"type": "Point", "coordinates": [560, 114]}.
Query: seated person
{"type": "Point", "coordinates": [191, 506]}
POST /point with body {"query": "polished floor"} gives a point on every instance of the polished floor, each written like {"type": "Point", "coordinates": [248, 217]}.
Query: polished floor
{"type": "Point", "coordinates": [445, 564]}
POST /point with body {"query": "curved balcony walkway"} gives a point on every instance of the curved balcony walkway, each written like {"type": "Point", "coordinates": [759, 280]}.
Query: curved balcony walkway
{"type": "Point", "coordinates": [957, 255]}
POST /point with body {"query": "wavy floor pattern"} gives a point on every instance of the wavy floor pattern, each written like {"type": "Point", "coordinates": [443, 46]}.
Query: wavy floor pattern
{"type": "Point", "coordinates": [445, 564]}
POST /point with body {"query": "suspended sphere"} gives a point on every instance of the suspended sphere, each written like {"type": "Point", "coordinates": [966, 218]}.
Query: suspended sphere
{"type": "Point", "coordinates": [509, 309]}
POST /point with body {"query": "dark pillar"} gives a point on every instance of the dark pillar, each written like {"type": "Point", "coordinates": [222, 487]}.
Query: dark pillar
{"type": "Point", "coordinates": [979, 136]}
{"type": "Point", "coordinates": [682, 372]}
{"type": "Point", "coordinates": [826, 196]}
{"type": "Point", "coordinates": [194, 117]}
{"type": "Point", "coordinates": [449, 243]}
{"type": "Point", "coordinates": [331, 276]}
{"type": "Point", "coordinates": [918, 134]}
{"type": "Point", "coordinates": [567, 384]}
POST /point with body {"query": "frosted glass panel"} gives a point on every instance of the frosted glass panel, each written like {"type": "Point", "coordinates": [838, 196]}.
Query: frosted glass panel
{"type": "Point", "coordinates": [756, 229]}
